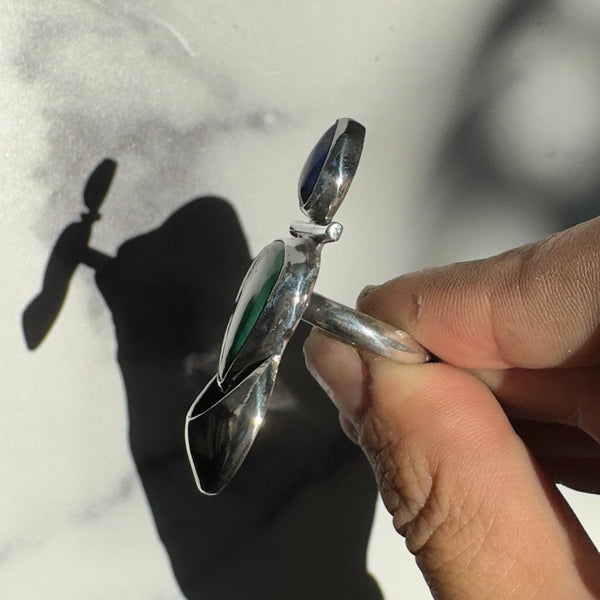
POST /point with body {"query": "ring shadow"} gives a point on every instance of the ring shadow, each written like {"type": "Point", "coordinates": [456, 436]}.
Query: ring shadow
{"type": "Point", "coordinates": [296, 520]}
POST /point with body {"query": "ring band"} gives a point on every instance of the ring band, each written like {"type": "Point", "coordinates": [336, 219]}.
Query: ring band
{"type": "Point", "coordinates": [363, 331]}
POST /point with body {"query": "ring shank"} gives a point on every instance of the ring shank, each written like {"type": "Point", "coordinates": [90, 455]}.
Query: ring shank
{"type": "Point", "coordinates": [359, 329]}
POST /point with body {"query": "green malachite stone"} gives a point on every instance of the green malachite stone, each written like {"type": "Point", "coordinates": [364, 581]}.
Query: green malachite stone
{"type": "Point", "coordinates": [254, 293]}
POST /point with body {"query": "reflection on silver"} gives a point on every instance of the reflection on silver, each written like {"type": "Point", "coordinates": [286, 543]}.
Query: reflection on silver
{"type": "Point", "coordinates": [321, 234]}
{"type": "Point", "coordinates": [218, 436]}
{"type": "Point", "coordinates": [363, 331]}
{"type": "Point", "coordinates": [275, 295]}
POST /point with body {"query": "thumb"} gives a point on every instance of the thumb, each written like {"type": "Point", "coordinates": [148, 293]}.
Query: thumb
{"type": "Point", "coordinates": [460, 485]}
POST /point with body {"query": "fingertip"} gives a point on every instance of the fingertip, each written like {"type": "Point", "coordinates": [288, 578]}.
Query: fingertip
{"type": "Point", "coordinates": [349, 429]}
{"type": "Point", "coordinates": [365, 292]}
{"type": "Point", "coordinates": [445, 309]}
{"type": "Point", "coordinates": [339, 370]}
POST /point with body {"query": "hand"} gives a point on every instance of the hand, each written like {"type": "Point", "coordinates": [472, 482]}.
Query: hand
{"type": "Point", "coordinates": [466, 451]}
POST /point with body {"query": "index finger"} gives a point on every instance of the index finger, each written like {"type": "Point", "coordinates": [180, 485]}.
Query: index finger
{"type": "Point", "coordinates": [537, 306]}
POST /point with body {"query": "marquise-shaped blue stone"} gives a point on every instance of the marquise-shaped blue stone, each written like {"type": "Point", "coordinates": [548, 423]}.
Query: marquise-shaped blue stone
{"type": "Point", "coordinates": [314, 164]}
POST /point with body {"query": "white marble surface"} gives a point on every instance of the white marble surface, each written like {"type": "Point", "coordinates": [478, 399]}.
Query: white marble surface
{"type": "Point", "coordinates": [227, 97]}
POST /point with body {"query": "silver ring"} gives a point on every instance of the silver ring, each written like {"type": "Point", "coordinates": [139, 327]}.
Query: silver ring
{"type": "Point", "coordinates": [363, 331]}
{"type": "Point", "coordinates": [277, 292]}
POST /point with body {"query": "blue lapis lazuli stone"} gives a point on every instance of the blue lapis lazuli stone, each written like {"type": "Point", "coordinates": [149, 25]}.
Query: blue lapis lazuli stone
{"type": "Point", "coordinates": [314, 165]}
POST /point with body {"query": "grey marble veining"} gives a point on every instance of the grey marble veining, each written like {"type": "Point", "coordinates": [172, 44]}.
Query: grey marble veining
{"type": "Point", "coordinates": [121, 81]}
{"type": "Point", "coordinates": [196, 99]}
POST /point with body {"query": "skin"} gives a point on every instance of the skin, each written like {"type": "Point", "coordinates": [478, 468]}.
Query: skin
{"type": "Point", "coordinates": [467, 451]}
{"type": "Point", "coordinates": [285, 514]}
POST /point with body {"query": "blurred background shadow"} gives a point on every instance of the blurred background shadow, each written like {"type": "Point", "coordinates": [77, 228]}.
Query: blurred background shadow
{"type": "Point", "coordinates": [295, 522]}
{"type": "Point", "coordinates": [518, 161]}
{"type": "Point", "coordinates": [521, 159]}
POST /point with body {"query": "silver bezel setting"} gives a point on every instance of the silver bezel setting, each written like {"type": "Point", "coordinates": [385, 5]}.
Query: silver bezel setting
{"type": "Point", "coordinates": [229, 411]}
{"type": "Point", "coordinates": [281, 313]}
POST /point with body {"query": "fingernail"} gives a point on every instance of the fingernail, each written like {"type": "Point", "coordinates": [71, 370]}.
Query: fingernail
{"type": "Point", "coordinates": [367, 291]}
{"type": "Point", "coordinates": [349, 429]}
{"type": "Point", "coordinates": [339, 370]}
